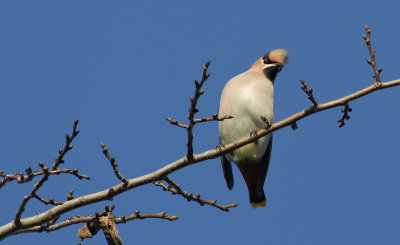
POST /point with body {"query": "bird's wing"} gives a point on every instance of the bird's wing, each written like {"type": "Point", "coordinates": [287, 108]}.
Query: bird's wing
{"type": "Point", "coordinates": [264, 167]}
{"type": "Point", "coordinates": [227, 169]}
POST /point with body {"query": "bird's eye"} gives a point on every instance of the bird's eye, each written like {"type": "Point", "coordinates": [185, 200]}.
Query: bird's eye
{"type": "Point", "coordinates": [266, 60]}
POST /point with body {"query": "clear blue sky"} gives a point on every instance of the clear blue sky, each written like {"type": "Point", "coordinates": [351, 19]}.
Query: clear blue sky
{"type": "Point", "coordinates": [122, 67]}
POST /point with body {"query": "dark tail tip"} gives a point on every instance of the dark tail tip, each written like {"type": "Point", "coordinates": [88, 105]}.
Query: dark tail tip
{"type": "Point", "coordinates": [258, 200]}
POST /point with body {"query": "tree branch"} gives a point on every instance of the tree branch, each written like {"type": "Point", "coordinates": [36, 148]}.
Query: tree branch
{"type": "Point", "coordinates": [47, 202]}
{"type": "Point", "coordinates": [107, 194]}
{"type": "Point", "coordinates": [193, 110]}
{"type": "Point", "coordinates": [59, 160]}
{"type": "Point", "coordinates": [345, 116]}
{"type": "Point", "coordinates": [214, 117]}
{"type": "Point", "coordinates": [21, 178]}
{"type": "Point", "coordinates": [114, 165]}
{"type": "Point", "coordinates": [372, 61]}
{"type": "Point", "coordinates": [89, 219]}
{"type": "Point", "coordinates": [137, 215]}
{"type": "Point", "coordinates": [309, 93]}
{"type": "Point", "coordinates": [176, 189]}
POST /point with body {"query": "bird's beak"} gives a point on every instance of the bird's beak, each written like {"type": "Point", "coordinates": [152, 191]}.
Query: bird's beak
{"type": "Point", "coordinates": [279, 66]}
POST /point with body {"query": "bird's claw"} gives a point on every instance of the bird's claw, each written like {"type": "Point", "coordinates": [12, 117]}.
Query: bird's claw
{"type": "Point", "coordinates": [253, 134]}
{"type": "Point", "coordinates": [219, 147]}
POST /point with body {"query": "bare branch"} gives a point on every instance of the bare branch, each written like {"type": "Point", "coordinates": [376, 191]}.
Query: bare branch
{"type": "Point", "coordinates": [59, 160]}
{"type": "Point", "coordinates": [175, 189]}
{"type": "Point", "coordinates": [31, 195]}
{"type": "Point", "coordinates": [345, 116]}
{"type": "Point", "coordinates": [21, 178]}
{"type": "Point", "coordinates": [107, 194]}
{"type": "Point", "coordinates": [114, 165]}
{"type": "Point", "coordinates": [61, 152]}
{"type": "Point", "coordinates": [137, 215]}
{"type": "Point", "coordinates": [309, 93]}
{"type": "Point", "coordinates": [372, 61]}
{"type": "Point", "coordinates": [70, 221]}
{"type": "Point", "coordinates": [70, 195]}
{"type": "Point", "coordinates": [193, 110]}
{"type": "Point", "coordinates": [214, 117]}
{"type": "Point", "coordinates": [179, 124]}
{"type": "Point", "coordinates": [50, 201]}
{"type": "Point", "coordinates": [90, 219]}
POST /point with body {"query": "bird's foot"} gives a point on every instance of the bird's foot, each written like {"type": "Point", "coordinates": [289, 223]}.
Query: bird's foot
{"type": "Point", "coordinates": [219, 147]}
{"type": "Point", "coordinates": [264, 119]}
{"type": "Point", "coordinates": [253, 134]}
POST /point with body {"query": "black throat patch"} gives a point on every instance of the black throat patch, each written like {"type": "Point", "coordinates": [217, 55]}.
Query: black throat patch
{"type": "Point", "coordinates": [270, 72]}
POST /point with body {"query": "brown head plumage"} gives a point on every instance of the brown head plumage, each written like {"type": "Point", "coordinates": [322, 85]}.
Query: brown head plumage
{"type": "Point", "coordinates": [271, 63]}
{"type": "Point", "coordinates": [278, 56]}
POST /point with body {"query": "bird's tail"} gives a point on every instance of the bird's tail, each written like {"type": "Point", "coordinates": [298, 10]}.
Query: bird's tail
{"type": "Point", "coordinates": [250, 172]}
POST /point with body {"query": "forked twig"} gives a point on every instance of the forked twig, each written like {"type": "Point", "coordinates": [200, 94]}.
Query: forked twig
{"type": "Point", "coordinates": [59, 160]}
{"type": "Point", "coordinates": [21, 178]}
{"type": "Point", "coordinates": [176, 189]}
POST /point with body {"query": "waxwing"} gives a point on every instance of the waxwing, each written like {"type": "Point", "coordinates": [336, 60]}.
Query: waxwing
{"type": "Point", "coordinates": [248, 97]}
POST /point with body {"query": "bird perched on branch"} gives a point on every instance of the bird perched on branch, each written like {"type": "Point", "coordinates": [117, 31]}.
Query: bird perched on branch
{"type": "Point", "coordinates": [249, 97]}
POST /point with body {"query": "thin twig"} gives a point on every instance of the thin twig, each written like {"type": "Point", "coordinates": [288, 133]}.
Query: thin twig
{"type": "Point", "coordinates": [175, 189]}
{"type": "Point", "coordinates": [137, 215]}
{"type": "Point", "coordinates": [372, 61]}
{"type": "Point", "coordinates": [61, 152]}
{"type": "Point", "coordinates": [58, 161]}
{"type": "Point", "coordinates": [309, 93]}
{"type": "Point", "coordinates": [50, 201]}
{"type": "Point", "coordinates": [36, 187]}
{"type": "Point", "coordinates": [70, 195]}
{"type": "Point", "coordinates": [214, 117]}
{"type": "Point", "coordinates": [193, 110]}
{"type": "Point", "coordinates": [53, 221]}
{"type": "Point", "coordinates": [345, 116]}
{"type": "Point", "coordinates": [81, 219]}
{"type": "Point", "coordinates": [21, 178]}
{"type": "Point", "coordinates": [176, 123]}
{"type": "Point", "coordinates": [114, 165]}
